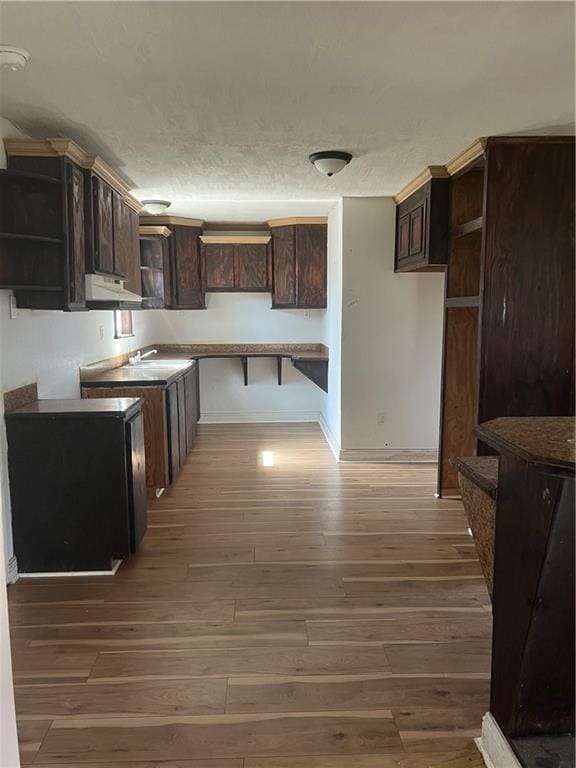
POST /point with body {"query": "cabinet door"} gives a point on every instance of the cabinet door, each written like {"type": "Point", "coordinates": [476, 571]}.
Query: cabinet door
{"type": "Point", "coordinates": [311, 265]}
{"type": "Point", "coordinates": [251, 267]}
{"type": "Point", "coordinates": [136, 464]}
{"type": "Point", "coordinates": [120, 227]}
{"type": "Point", "coordinates": [173, 430]}
{"type": "Point", "coordinates": [219, 266]}
{"type": "Point", "coordinates": [192, 406]}
{"type": "Point", "coordinates": [187, 290]}
{"type": "Point", "coordinates": [417, 224]}
{"type": "Point", "coordinates": [76, 234]}
{"type": "Point", "coordinates": [182, 420]}
{"type": "Point", "coordinates": [131, 254]}
{"type": "Point", "coordinates": [283, 267]}
{"type": "Point", "coordinates": [103, 223]}
{"type": "Point", "coordinates": [403, 238]}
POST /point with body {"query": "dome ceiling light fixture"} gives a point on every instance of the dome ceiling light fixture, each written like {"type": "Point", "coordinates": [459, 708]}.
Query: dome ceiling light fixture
{"type": "Point", "coordinates": [12, 57]}
{"type": "Point", "coordinates": [330, 162]}
{"type": "Point", "coordinates": [155, 207]}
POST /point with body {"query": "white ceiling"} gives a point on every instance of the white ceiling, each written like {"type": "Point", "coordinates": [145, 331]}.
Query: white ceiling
{"type": "Point", "coordinates": [216, 106]}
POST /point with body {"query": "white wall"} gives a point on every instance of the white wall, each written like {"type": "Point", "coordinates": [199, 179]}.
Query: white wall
{"type": "Point", "coordinates": [391, 338]}
{"type": "Point", "coordinates": [331, 410]}
{"type": "Point", "coordinates": [247, 318]}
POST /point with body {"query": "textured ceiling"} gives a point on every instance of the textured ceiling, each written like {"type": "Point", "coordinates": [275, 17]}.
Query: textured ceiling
{"type": "Point", "coordinates": [207, 104]}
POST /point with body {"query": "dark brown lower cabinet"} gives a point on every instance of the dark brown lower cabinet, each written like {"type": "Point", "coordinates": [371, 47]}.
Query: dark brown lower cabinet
{"type": "Point", "coordinates": [77, 483]}
{"type": "Point", "coordinates": [183, 411]}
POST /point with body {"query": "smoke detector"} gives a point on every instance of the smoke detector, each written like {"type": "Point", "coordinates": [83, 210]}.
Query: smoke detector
{"type": "Point", "coordinates": [13, 58]}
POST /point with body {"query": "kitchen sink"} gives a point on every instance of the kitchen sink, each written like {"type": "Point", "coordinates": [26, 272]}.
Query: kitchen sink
{"type": "Point", "coordinates": [159, 364]}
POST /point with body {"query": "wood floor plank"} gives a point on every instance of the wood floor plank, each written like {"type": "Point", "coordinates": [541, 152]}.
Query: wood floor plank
{"type": "Point", "coordinates": [236, 662]}
{"type": "Point", "coordinates": [422, 626]}
{"type": "Point", "coordinates": [190, 697]}
{"type": "Point", "coordinates": [287, 694]}
{"type": "Point", "coordinates": [216, 763]}
{"type": "Point", "coordinates": [337, 732]}
{"type": "Point", "coordinates": [457, 656]}
{"type": "Point", "coordinates": [170, 634]}
{"type": "Point", "coordinates": [38, 615]}
{"type": "Point", "coordinates": [30, 736]}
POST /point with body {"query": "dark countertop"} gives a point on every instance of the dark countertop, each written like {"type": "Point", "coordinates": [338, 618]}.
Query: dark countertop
{"type": "Point", "coordinates": [123, 407]}
{"type": "Point", "coordinates": [547, 442]}
{"type": "Point", "coordinates": [481, 470]}
{"type": "Point", "coordinates": [113, 373]}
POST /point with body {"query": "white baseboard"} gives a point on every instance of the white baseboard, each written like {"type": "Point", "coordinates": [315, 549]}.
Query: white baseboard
{"type": "Point", "coordinates": [495, 750]}
{"type": "Point", "coordinates": [12, 570]}
{"type": "Point", "coordinates": [258, 417]}
{"type": "Point", "coordinates": [71, 574]}
{"type": "Point", "coordinates": [390, 455]}
{"type": "Point", "coordinates": [330, 437]}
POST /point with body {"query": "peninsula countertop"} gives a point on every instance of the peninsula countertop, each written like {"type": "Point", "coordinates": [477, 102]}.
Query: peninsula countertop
{"type": "Point", "coordinates": [546, 442]}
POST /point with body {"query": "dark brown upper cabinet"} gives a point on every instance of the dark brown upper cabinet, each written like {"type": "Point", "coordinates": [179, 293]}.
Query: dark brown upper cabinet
{"type": "Point", "coordinates": [153, 258]}
{"type": "Point", "coordinates": [64, 213]}
{"type": "Point", "coordinates": [183, 277]}
{"type": "Point", "coordinates": [236, 267]}
{"type": "Point", "coordinates": [422, 228]}
{"type": "Point", "coordinates": [42, 233]}
{"type": "Point", "coordinates": [299, 266]}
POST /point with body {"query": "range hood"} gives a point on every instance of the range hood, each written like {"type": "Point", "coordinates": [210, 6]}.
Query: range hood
{"type": "Point", "coordinates": [104, 289]}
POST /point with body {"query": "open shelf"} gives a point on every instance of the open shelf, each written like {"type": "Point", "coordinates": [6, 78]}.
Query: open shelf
{"type": "Point", "coordinates": [461, 230]}
{"type": "Point", "coordinates": [151, 269]}
{"type": "Point", "coordinates": [9, 173]}
{"type": "Point", "coordinates": [30, 238]}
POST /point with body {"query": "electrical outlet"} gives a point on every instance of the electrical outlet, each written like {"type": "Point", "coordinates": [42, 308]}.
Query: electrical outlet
{"type": "Point", "coordinates": [13, 307]}
{"type": "Point", "coordinates": [381, 418]}
{"type": "Point", "coordinates": [306, 314]}
{"type": "Point", "coordinates": [101, 331]}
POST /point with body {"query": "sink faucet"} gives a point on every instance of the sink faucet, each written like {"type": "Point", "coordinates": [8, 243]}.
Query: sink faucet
{"type": "Point", "coordinates": [138, 357]}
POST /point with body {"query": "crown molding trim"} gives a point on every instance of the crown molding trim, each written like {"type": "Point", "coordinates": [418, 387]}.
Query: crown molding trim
{"type": "Point", "coordinates": [157, 231]}
{"type": "Point", "coordinates": [69, 149]}
{"type": "Point", "coordinates": [181, 221]}
{"type": "Point", "coordinates": [297, 220]}
{"type": "Point", "coordinates": [431, 172]}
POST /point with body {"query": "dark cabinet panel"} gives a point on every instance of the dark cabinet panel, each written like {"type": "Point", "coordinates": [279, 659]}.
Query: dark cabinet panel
{"type": "Point", "coordinates": [184, 272]}
{"type": "Point", "coordinates": [219, 266]}
{"type": "Point", "coordinates": [103, 224]}
{"type": "Point", "coordinates": [121, 239]}
{"type": "Point", "coordinates": [527, 350]}
{"type": "Point", "coordinates": [76, 234]}
{"type": "Point", "coordinates": [132, 280]}
{"type": "Point", "coordinates": [173, 430]}
{"type": "Point", "coordinates": [422, 228]}
{"type": "Point", "coordinates": [181, 420]}
{"type": "Point", "coordinates": [403, 238]}
{"type": "Point", "coordinates": [311, 265]}
{"type": "Point", "coordinates": [136, 479]}
{"type": "Point", "coordinates": [284, 267]}
{"type": "Point", "coordinates": [251, 271]}
{"type": "Point", "coordinates": [192, 394]}
{"type": "Point", "coordinates": [299, 266]}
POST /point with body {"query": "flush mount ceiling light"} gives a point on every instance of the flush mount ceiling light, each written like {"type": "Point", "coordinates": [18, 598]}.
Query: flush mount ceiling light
{"type": "Point", "coordinates": [13, 58]}
{"type": "Point", "coordinates": [330, 162]}
{"type": "Point", "coordinates": [155, 207]}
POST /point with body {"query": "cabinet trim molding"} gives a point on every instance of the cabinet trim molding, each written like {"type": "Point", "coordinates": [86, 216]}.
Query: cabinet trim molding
{"type": "Point", "coordinates": [453, 166]}
{"type": "Point", "coordinates": [236, 238]}
{"type": "Point", "coordinates": [297, 220]}
{"type": "Point", "coordinates": [158, 231]}
{"type": "Point", "coordinates": [181, 221]}
{"type": "Point", "coordinates": [432, 172]}
{"type": "Point", "coordinates": [69, 149]}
